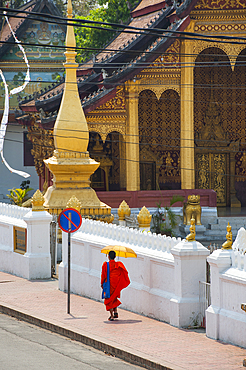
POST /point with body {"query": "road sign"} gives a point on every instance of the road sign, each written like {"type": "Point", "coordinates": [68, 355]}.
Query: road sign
{"type": "Point", "coordinates": [70, 220]}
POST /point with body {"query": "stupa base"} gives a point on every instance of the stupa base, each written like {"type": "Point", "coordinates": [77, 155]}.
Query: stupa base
{"type": "Point", "coordinates": [56, 200]}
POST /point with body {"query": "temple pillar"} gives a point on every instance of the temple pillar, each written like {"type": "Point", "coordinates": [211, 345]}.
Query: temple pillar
{"type": "Point", "coordinates": [187, 115]}
{"type": "Point", "coordinates": [122, 148]}
{"type": "Point", "coordinates": [132, 138]}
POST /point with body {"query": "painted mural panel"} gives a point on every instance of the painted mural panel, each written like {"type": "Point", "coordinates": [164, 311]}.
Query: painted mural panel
{"type": "Point", "coordinates": [38, 81]}
{"type": "Point", "coordinates": [40, 34]}
{"type": "Point", "coordinates": [50, 68]}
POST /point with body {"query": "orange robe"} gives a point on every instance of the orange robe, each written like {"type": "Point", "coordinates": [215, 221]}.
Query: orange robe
{"type": "Point", "coordinates": [118, 280]}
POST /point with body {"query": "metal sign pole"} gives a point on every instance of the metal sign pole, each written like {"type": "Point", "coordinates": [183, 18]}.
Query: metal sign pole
{"type": "Point", "coordinates": [68, 262]}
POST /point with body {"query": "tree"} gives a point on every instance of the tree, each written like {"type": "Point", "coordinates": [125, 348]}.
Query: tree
{"type": "Point", "coordinates": [111, 11]}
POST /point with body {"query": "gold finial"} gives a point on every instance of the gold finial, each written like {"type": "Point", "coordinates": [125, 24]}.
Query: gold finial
{"type": "Point", "coordinates": [74, 203]}
{"type": "Point", "coordinates": [228, 243]}
{"type": "Point", "coordinates": [192, 235]}
{"type": "Point", "coordinates": [69, 9]}
{"type": "Point", "coordinates": [144, 218]}
{"type": "Point", "coordinates": [38, 201]}
{"type": "Point", "coordinates": [123, 210]}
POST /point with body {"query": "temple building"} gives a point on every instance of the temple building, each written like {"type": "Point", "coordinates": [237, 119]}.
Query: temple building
{"type": "Point", "coordinates": [165, 110]}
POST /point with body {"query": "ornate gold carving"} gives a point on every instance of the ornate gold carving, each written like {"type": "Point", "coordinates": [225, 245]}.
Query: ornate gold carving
{"type": "Point", "coordinates": [220, 4]}
{"type": "Point", "coordinates": [212, 131]}
{"type": "Point", "coordinates": [43, 145]}
{"type": "Point", "coordinates": [241, 166]}
{"type": "Point", "coordinates": [231, 50]}
{"type": "Point", "coordinates": [203, 171]}
{"type": "Point", "coordinates": [104, 129]}
{"type": "Point", "coordinates": [219, 177]}
{"type": "Point", "coordinates": [74, 203]}
{"type": "Point", "coordinates": [38, 201]}
{"type": "Point", "coordinates": [160, 85]}
{"type": "Point", "coordinates": [192, 209]}
{"type": "Point", "coordinates": [98, 119]}
{"type": "Point", "coordinates": [159, 130]}
{"type": "Point", "coordinates": [118, 103]}
{"type": "Point", "coordinates": [123, 210]}
{"type": "Point", "coordinates": [170, 58]}
{"type": "Point", "coordinates": [223, 28]}
{"type": "Point", "coordinates": [170, 168]}
{"type": "Point", "coordinates": [144, 218]}
{"type": "Point", "coordinates": [192, 235]}
{"type": "Point", "coordinates": [228, 243]}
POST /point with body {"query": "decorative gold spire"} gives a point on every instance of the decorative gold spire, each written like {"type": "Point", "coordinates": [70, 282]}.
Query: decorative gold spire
{"type": "Point", "coordinates": [71, 130]}
{"type": "Point", "coordinates": [38, 201]}
{"type": "Point", "coordinates": [74, 203]}
{"type": "Point", "coordinates": [144, 218]}
{"type": "Point", "coordinates": [123, 210]}
{"type": "Point", "coordinates": [228, 243]}
{"type": "Point", "coordinates": [192, 235]}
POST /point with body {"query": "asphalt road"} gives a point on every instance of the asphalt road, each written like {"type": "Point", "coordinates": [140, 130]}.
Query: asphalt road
{"type": "Point", "coordinates": [27, 347]}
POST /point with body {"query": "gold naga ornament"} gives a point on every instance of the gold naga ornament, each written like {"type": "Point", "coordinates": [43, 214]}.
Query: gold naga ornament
{"type": "Point", "coordinates": [191, 237]}
{"type": "Point", "coordinates": [228, 243]}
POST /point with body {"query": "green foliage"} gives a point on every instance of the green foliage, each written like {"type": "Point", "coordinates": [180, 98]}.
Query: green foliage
{"type": "Point", "coordinates": [111, 11]}
{"type": "Point", "coordinates": [18, 196]}
{"type": "Point", "coordinates": [164, 219]}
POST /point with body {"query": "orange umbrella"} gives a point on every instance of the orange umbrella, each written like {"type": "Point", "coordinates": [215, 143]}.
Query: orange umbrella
{"type": "Point", "coordinates": [120, 251]}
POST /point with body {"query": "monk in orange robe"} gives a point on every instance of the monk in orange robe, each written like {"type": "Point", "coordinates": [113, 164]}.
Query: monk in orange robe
{"type": "Point", "coordinates": [119, 280]}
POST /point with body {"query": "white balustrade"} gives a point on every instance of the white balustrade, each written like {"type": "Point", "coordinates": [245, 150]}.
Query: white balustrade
{"type": "Point", "coordinates": [13, 211]}
{"type": "Point", "coordinates": [112, 233]}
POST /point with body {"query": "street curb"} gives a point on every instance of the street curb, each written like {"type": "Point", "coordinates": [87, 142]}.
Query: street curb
{"type": "Point", "coordinates": [106, 348]}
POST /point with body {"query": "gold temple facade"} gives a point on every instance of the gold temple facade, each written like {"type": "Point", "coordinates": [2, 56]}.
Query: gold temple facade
{"type": "Point", "coordinates": [180, 122]}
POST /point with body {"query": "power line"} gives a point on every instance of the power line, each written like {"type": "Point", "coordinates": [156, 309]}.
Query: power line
{"type": "Point", "coordinates": [134, 161]}
{"type": "Point", "coordinates": [123, 28]}
{"type": "Point", "coordinates": [175, 147]}
{"type": "Point", "coordinates": [135, 52]}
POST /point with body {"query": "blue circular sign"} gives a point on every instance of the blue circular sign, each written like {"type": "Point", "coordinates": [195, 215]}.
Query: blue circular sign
{"type": "Point", "coordinates": [70, 220]}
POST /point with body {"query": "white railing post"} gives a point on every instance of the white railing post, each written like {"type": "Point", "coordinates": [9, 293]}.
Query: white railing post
{"type": "Point", "coordinates": [37, 257]}
{"type": "Point", "coordinates": [219, 260]}
{"type": "Point", "coordinates": [189, 269]}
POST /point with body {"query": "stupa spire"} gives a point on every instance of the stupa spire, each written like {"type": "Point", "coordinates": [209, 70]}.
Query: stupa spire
{"type": "Point", "coordinates": [71, 164]}
{"type": "Point", "coordinates": [71, 130]}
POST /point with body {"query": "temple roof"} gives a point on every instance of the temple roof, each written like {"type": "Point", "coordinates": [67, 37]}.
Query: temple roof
{"type": "Point", "coordinates": [19, 25]}
{"type": "Point", "coordinates": [124, 57]}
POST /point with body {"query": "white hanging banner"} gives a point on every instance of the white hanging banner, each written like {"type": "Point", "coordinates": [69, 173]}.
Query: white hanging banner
{"type": "Point", "coordinates": [5, 116]}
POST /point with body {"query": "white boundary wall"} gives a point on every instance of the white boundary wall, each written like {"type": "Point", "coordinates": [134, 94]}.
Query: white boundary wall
{"type": "Point", "coordinates": [35, 263]}
{"type": "Point", "coordinates": [164, 277]}
{"type": "Point", "coordinates": [224, 318]}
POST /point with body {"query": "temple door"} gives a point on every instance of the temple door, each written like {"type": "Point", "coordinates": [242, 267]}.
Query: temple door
{"type": "Point", "coordinates": [212, 171]}
{"type": "Point", "coordinates": [148, 175]}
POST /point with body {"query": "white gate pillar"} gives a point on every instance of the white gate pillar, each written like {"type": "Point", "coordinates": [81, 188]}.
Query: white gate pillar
{"type": "Point", "coordinates": [189, 269]}
{"type": "Point", "coordinates": [37, 257]}
{"type": "Point", "coordinates": [219, 261]}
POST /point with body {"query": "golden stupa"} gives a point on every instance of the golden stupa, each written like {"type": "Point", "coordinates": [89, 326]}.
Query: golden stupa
{"type": "Point", "coordinates": [71, 164]}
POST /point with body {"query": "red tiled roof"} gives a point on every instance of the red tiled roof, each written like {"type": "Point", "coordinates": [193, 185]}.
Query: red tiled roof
{"type": "Point", "coordinates": [15, 24]}
{"type": "Point", "coordinates": [123, 38]}
{"type": "Point", "coordinates": [147, 6]}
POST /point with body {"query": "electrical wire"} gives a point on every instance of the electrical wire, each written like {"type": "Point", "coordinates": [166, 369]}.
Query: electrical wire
{"type": "Point", "coordinates": [166, 146]}
{"type": "Point", "coordinates": [135, 52]}
{"type": "Point", "coordinates": [134, 161]}
{"type": "Point", "coordinates": [158, 31]}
